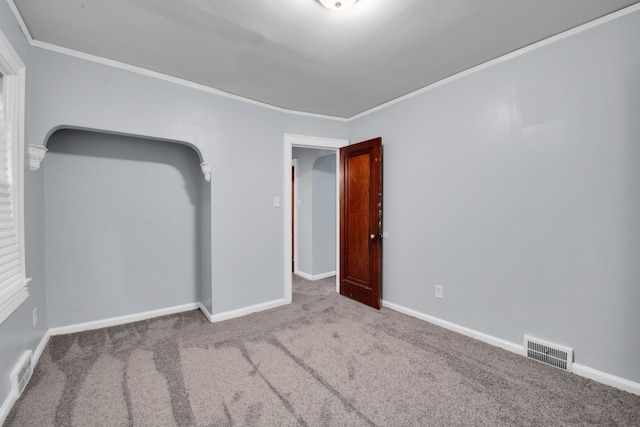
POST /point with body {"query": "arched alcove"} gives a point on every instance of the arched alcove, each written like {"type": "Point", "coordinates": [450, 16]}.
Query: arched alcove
{"type": "Point", "coordinates": [127, 226]}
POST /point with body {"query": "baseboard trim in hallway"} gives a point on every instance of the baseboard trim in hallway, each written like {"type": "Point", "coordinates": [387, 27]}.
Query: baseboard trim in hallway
{"type": "Point", "coordinates": [315, 277]}
{"type": "Point", "coordinates": [231, 314]}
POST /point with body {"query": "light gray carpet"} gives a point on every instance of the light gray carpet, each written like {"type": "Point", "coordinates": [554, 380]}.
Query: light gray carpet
{"type": "Point", "coordinates": [321, 361]}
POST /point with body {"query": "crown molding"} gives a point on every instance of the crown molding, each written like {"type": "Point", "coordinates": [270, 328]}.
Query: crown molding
{"type": "Point", "coordinates": [568, 33]}
{"type": "Point", "coordinates": [149, 73]}
{"type": "Point", "coordinates": [187, 83]}
{"type": "Point", "coordinates": [23, 25]}
{"type": "Point", "coordinates": [171, 79]}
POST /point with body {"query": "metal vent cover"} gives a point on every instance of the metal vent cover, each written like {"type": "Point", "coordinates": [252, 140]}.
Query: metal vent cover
{"type": "Point", "coordinates": [550, 354]}
{"type": "Point", "coordinates": [21, 373]}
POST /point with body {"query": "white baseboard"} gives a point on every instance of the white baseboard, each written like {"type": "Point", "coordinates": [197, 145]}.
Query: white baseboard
{"type": "Point", "coordinates": [583, 371]}
{"type": "Point", "coordinates": [226, 315]}
{"type": "Point", "coordinates": [315, 277]}
{"type": "Point", "coordinates": [6, 406]}
{"type": "Point", "coordinates": [12, 398]}
{"type": "Point", "coordinates": [498, 342]}
{"type": "Point", "coordinates": [608, 379]}
{"type": "Point", "coordinates": [204, 311]}
{"type": "Point", "coordinates": [38, 351]}
{"type": "Point", "coordinates": [121, 320]}
{"type": "Point", "coordinates": [304, 275]}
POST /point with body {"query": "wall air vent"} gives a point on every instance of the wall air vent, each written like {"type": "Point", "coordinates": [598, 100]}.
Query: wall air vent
{"type": "Point", "coordinates": [21, 373]}
{"type": "Point", "coordinates": [551, 354]}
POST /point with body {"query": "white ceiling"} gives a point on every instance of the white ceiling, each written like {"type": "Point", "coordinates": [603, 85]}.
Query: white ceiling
{"type": "Point", "coordinates": [297, 55]}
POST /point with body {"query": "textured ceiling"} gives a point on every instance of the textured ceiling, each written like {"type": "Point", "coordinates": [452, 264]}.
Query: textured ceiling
{"type": "Point", "coordinates": [297, 55]}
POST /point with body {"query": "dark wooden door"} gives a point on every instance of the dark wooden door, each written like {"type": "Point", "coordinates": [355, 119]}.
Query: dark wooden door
{"type": "Point", "coordinates": [361, 222]}
{"type": "Point", "coordinates": [293, 219]}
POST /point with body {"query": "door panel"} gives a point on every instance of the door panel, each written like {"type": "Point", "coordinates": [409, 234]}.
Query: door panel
{"type": "Point", "coordinates": [361, 222]}
{"type": "Point", "coordinates": [357, 217]}
{"type": "Point", "coordinates": [293, 218]}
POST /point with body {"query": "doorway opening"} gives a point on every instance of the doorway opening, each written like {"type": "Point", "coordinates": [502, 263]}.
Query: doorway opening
{"type": "Point", "coordinates": [331, 145]}
{"type": "Point", "coordinates": [313, 210]}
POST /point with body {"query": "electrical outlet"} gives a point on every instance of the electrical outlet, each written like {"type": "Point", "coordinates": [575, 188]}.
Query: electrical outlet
{"type": "Point", "coordinates": [439, 292]}
{"type": "Point", "coordinates": [35, 317]}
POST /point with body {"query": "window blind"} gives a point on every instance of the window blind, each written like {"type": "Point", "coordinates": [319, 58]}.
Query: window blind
{"type": "Point", "coordinates": [13, 289]}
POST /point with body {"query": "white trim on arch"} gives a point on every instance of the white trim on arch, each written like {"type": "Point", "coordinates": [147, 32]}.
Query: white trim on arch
{"type": "Point", "coordinates": [291, 140]}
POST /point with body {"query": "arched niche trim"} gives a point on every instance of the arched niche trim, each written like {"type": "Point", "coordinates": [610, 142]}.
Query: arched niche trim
{"type": "Point", "coordinates": [37, 152]}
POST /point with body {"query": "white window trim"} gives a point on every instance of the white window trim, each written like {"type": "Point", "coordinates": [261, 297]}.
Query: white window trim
{"type": "Point", "coordinates": [13, 92]}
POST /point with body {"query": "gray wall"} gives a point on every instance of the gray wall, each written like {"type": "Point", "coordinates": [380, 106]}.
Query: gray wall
{"type": "Point", "coordinates": [304, 240]}
{"type": "Point", "coordinates": [17, 333]}
{"type": "Point", "coordinates": [324, 214]}
{"type": "Point", "coordinates": [122, 226]}
{"type": "Point", "coordinates": [316, 210]}
{"type": "Point", "coordinates": [517, 188]}
{"type": "Point", "coordinates": [243, 142]}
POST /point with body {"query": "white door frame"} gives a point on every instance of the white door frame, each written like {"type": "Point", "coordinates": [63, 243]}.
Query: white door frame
{"type": "Point", "coordinates": [309, 142]}
{"type": "Point", "coordinates": [296, 198]}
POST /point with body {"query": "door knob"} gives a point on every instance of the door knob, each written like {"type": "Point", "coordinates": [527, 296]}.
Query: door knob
{"type": "Point", "coordinates": [373, 236]}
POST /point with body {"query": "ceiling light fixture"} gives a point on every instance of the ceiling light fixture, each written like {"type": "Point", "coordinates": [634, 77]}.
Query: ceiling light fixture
{"type": "Point", "coordinates": [337, 4]}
